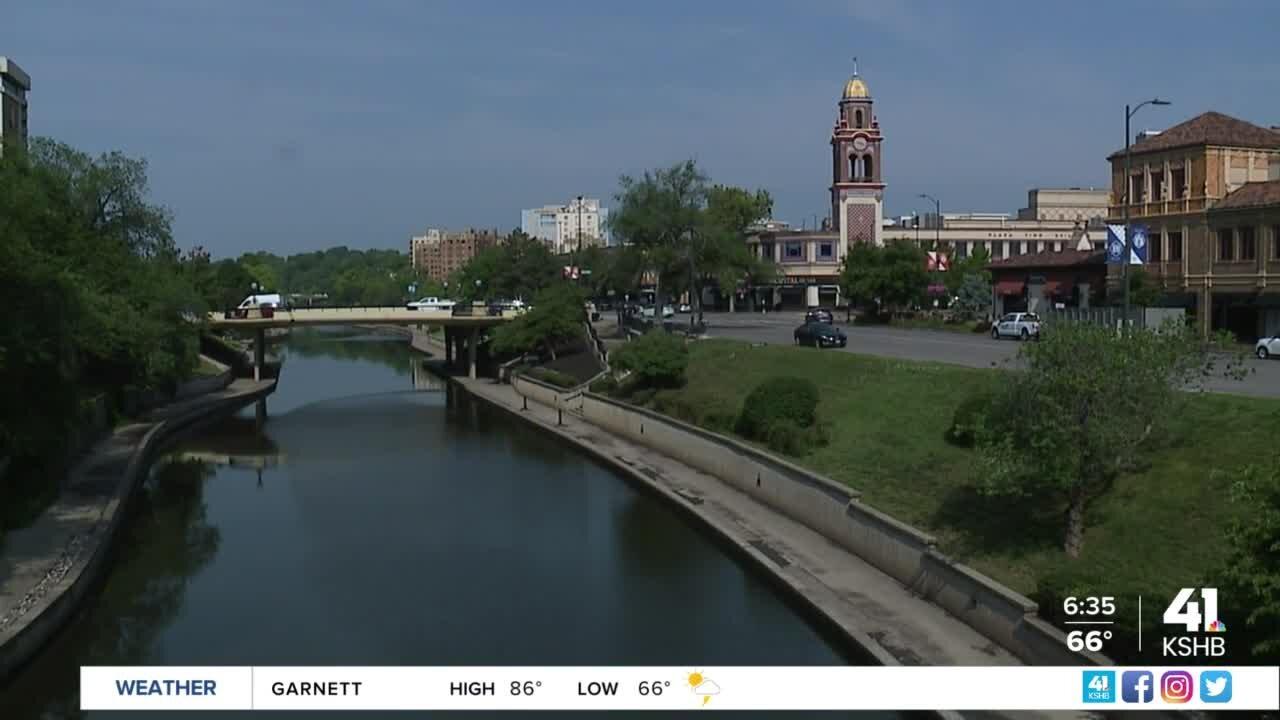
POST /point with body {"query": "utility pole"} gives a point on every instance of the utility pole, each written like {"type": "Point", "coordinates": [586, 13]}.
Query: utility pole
{"type": "Point", "coordinates": [1128, 182]}
{"type": "Point", "coordinates": [937, 215]}
{"type": "Point", "coordinates": [579, 228]}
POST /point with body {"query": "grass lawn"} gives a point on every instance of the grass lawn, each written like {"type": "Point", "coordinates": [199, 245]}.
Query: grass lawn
{"type": "Point", "coordinates": [1157, 530]}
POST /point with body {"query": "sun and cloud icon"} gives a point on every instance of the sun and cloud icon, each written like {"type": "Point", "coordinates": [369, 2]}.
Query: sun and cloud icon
{"type": "Point", "coordinates": [703, 686]}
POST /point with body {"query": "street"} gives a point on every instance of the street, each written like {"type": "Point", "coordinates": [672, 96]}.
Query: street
{"type": "Point", "coordinates": [972, 350]}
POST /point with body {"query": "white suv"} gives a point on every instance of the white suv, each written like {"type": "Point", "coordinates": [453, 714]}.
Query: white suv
{"type": "Point", "coordinates": [1024, 326]}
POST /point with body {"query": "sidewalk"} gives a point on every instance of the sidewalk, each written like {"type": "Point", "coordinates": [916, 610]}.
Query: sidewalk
{"type": "Point", "coordinates": [47, 567]}
{"type": "Point", "coordinates": [874, 611]}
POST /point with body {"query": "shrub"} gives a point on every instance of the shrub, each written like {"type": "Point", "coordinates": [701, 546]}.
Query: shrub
{"type": "Point", "coordinates": [969, 417]}
{"type": "Point", "coordinates": [656, 360]}
{"type": "Point", "coordinates": [779, 399]}
{"type": "Point", "coordinates": [604, 386]}
{"type": "Point", "coordinates": [554, 377]}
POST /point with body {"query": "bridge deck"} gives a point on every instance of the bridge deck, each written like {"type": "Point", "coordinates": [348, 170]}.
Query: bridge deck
{"type": "Point", "coordinates": [363, 315]}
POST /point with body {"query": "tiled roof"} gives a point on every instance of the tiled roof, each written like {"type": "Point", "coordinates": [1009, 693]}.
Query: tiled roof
{"type": "Point", "coordinates": [1211, 128]}
{"type": "Point", "coordinates": [1050, 259]}
{"type": "Point", "coordinates": [1252, 194]}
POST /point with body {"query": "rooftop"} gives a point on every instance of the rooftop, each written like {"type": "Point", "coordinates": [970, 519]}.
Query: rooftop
{"type": "Point", "coordinates": [1211, 128]}
{"type": "Point", "coordinates": [11, 70]}
{"type": "Point", "coordinates": [1254, 194]}
{"type": "Point", "coordinates": [1051, 259]}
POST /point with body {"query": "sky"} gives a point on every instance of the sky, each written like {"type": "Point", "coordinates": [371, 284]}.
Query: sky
{"type": "Point", "coordinates": [296, 125]}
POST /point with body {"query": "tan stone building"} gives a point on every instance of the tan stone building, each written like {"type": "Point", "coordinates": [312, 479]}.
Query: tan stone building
{"type": "Point", "coordinates": [14, 86]}
{"type": "Point", "coordinates": [438, 254]}
{"type": "Point", "coordinates": [1205, 190]}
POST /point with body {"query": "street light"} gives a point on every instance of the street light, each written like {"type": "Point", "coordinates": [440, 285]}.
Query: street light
{"type": "Point", "coordinates": [1128, 181]}
{"type": "Point", "coordinates": [579, 225]}
{"type": "Point", "coordinates": [937, 213]}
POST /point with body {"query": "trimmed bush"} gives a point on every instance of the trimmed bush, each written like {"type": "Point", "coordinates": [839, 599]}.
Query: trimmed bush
{"type": "Point", "coordinates": [792, 400]}
{"type": "Point", "coordinates": [968, 418]}
{"type": "Point", "coordinates": [656, 360]}
{"type": "Point", "coordinates": [604, 386]}
{"type": "Point", "coordinates": [553, 377]}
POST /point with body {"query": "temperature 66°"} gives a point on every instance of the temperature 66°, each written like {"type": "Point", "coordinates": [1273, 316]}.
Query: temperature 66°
{"type": "Point", "coordinates": [525, 688]}
{"type": "Point", "coordinates": [1078, 640]}
{"type": "Point", "coordinates": [654, 688]}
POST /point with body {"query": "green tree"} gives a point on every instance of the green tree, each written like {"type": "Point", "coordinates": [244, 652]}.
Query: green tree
{"type": "Point", "coordinates": [1250, 574]}
{"type": "Point", "coordinates": [657, 359]}
{"type": "Point", "coordinates": [975, 263]}
{"type": "Point", "coordinates": [518, 268]}
{"type": "Point", "coordinates": [1144, 290]}
{"type": "Point", "coordinates": [556, 317]}
{"type": "Point", "coordinates": [973, 297]}
{"type": "Point", "coordinates": [884, 277]}
{"type": "Point", "coordinates": [1086, 405]}
{"type": "Point", "coordinates": [724, 253]}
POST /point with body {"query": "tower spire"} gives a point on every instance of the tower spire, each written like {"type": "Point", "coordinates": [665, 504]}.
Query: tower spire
{"type": "Point", "coordinates": [855, 65]}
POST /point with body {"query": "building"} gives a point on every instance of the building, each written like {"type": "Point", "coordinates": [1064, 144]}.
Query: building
{"type": "Point", "coordinates": [14, 86]}
{"type": "Point", "coordinates": [1035, 282]}
{"type": "Point", "coordinates": [438, 254]}
{"type": "Point", "coordinates": [810, 259]}
{"type": "Point", "coordinates": [580, 223]}
{"type": "Point", "coordinates": [1205, 189]}
{"type": "Point", "coordinates": [1068, 204]}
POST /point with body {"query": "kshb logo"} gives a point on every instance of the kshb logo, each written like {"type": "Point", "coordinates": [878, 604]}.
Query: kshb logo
{"type": "Point", "coordinates": [1186, 611]}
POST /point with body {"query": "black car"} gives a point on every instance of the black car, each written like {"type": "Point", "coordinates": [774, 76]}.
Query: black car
{"type": "Point", "coordinates": [820, 334]}
{"type": "Point", "coordinates": [819, 315]}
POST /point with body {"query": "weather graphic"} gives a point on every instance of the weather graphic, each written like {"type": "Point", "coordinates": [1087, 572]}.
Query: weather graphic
{"type": "Point", "coordinates": [1216, 626]}
{"type": "Point", "coordinates": [703, 686]}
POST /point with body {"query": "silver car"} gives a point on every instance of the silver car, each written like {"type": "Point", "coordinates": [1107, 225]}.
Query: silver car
{"type": "Point", "coordinates": [1024, 326]}
{"type": "Point", "coordinates": [1267, 347]}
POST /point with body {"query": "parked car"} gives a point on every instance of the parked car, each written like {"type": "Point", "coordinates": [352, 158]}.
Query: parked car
{"type": "Point", "coordinates": [1267, 347]}
{"type": "Point", "coordinates": [1024, 326]}
{"type": "Point", "coordinates": [819, 315]}
{"type": "Point", "coordinates": [667, 312]}
{"type": "Point", "coordinates": [820, 334]}
{"type": "Point", "coordinates": [685, 308]}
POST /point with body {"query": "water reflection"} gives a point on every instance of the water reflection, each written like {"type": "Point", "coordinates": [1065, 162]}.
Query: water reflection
{"type": "Point", "coordinates": [147, 588]}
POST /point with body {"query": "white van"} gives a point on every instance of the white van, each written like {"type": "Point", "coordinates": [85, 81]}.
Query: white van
{"type": "Point", "coordinates": [432, 303]}
{"type": "Point", "coordinates": [253, 301]}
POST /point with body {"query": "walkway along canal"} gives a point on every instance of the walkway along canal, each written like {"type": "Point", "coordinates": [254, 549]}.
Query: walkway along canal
{"type": "Point", "coordinates": [375, 523]}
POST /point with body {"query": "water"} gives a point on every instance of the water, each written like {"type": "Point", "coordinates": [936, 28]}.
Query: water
{"type": "Point", "coordinates": [382, 521]}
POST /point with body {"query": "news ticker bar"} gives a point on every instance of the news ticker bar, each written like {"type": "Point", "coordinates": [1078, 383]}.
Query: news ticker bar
{"type": "Point", "coordinates": [679, 688]}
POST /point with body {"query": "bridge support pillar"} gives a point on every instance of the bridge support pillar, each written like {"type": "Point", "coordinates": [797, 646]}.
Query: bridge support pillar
{"type": "Point", "coordinates": [448, 347]}
{"type": "Point", "coordinates": [260, 413]}
{"type": "Point", "coordinates": [472, 341]}
{"type": "Point", "coordinates": [259, 352]}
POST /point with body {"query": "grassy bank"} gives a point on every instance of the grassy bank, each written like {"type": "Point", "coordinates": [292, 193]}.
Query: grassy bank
{"type": "Point", "coordinates": [1159, 529]}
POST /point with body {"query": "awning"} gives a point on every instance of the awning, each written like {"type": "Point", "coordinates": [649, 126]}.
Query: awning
{"type": "Point", "coordinates": [1010, 287]}
{"type": "Point", "coordinates": [1058, 287]}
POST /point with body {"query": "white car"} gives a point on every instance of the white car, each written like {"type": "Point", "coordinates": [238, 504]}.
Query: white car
{"type": "Point", "coordinates": [432, 303]}
{"type": "Point", "coordinates": [1023, 326]}
{"type": "Point", "coordinates": [667, 312]}
{"type": "Point", "coordinates": [1267, 347]}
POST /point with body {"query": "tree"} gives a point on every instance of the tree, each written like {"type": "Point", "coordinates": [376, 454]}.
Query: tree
{"type": "Point", "coordinates": [1144, 290]}
{"type": "Point", "coordinates": [657, 359]}
{"type": "Point", "coordinates": [973, 297]}
{"type": "Point", "coordinates": [1250, 574]}
{"type": "Point", "coordinates": [1085, 406]}
{"type": "Point", "coordinates": [517, 268]}
{"type": "Point", "coordinates": [975, 263]}
{"type": "Point", "coordinates": [556, 316]}
{"type": "Point", "coordinates": [884, 277]}
{"type": "Point", "coordinates": [723, 251]}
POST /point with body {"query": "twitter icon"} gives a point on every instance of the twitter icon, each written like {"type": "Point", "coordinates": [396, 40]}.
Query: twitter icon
{"type": "Point", "coordinates": [1215, 686]}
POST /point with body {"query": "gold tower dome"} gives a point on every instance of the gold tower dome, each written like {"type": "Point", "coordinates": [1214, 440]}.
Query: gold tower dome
{"type": "Point", "coordinates": [856, 88]}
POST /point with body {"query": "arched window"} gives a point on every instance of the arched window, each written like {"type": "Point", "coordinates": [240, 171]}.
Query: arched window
{"type": "Point", "coordinates": [857, 118]}
{"type": "Point", "coordinates": [866, 168]}
{"type": "Point", "coordinates": [855, 167]}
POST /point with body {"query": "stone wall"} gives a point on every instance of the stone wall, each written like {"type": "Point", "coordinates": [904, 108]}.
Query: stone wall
{"type": "Point", "coordinates": [901, 551]}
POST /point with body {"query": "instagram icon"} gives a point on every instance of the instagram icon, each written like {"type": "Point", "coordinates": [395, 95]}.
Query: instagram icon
{"type": "Point", "coordinates": [1175, 686]}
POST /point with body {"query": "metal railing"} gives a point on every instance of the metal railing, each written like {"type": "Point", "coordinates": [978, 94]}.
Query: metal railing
{"type": "Point", "coordinates": [1140, 317]}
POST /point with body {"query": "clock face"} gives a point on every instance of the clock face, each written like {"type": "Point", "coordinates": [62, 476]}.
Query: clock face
{"type": "Point", "coordinates": [860, 144]}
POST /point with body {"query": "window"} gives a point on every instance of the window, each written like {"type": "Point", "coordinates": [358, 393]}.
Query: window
{"type": "Point", "coordinates": [866, 168]}
{"type": "Point", "coordinates": [826, 250]}
{"type": "Point", "coordinates": [962, 249]}
{"type": "Point", "coordinates": [1248, 246]}
{"type": "Point", "coordinates": [793, 252]}
{"type": "Point", "coordinates": [855, 167]}
{"type": "Point", "coordinates": [1135, 189]}
{"type": "Point", "coordinates": [857, 118]}
{"type": "Point", "coordinates": [767, 251]}
{"type": "Point", "coordinates": [1226, 245]}
{"type": "Point", "coordinates": [1178, 184]}
{"type": "Point", "coordinates": [1175, 246]}
{"type": "Point", "coordinates": [1157, 185]}
{"type": "Point", "coordinates": [1021, 248]}
{"type": "Point", "coordinates": [1153, 248]}
{"type": "Point", "coordinates": [1275, 242]}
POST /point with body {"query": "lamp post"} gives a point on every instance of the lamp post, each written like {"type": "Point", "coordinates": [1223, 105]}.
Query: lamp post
{"type": "Point", "coordinates": [579, 225]}
{"type": "Point", "coordinates": [937, 217]}
{"type": "Point", "coordinates": [1128, 183]}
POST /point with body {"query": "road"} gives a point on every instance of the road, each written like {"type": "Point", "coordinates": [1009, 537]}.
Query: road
{"type": "Point", "coordinates": [972, 350]}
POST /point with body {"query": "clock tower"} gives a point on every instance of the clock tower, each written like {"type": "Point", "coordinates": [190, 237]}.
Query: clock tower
{"type": "Point", "coordinates": [857, 191]}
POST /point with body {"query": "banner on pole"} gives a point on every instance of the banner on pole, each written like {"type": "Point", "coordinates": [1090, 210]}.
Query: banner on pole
{"type": "Point", "coordinates": [1115, 245]}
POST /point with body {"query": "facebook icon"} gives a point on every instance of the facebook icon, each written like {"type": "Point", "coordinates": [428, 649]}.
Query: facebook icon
{"type": "Point", "coordinates": [1136, 686]}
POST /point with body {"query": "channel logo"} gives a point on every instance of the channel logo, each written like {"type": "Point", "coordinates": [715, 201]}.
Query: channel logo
{"type": "Point", "coordinates": [1215, 686]}
{"type": "Point", "coordinates": [1176, 687]}
{"type": "Point", "coordinates": [1137, 686]}
{"type": "Point", "coordinates": [1099, 686]}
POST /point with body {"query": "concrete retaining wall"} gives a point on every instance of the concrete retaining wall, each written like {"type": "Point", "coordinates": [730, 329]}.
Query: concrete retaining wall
{"type": "Point", "coordinates": [201, 386]}
{"type": "Point", "coordinates": [899, 550]}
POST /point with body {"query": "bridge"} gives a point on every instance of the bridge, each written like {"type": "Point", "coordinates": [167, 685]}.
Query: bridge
{"type": "Point", "coordinates": [468, 319]}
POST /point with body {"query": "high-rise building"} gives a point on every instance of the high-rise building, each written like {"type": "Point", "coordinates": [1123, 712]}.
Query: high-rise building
{"type": "Point", "coordinates": [438, 254]}
{"type": "Point", "coordinates": [581, 222]}
{"type": "Point", "coordinates": [14, 86]}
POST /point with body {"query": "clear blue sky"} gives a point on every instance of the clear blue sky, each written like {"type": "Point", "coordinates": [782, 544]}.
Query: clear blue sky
{"type": "Point", "coordinates": [291, 125]}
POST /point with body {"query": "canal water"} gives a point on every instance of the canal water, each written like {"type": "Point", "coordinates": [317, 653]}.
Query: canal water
{"type": "Point", "coordinates": [380, 520]}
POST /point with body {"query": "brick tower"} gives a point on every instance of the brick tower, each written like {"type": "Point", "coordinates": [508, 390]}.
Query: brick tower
{"type": "Point", "coordinates": [857, 191]}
